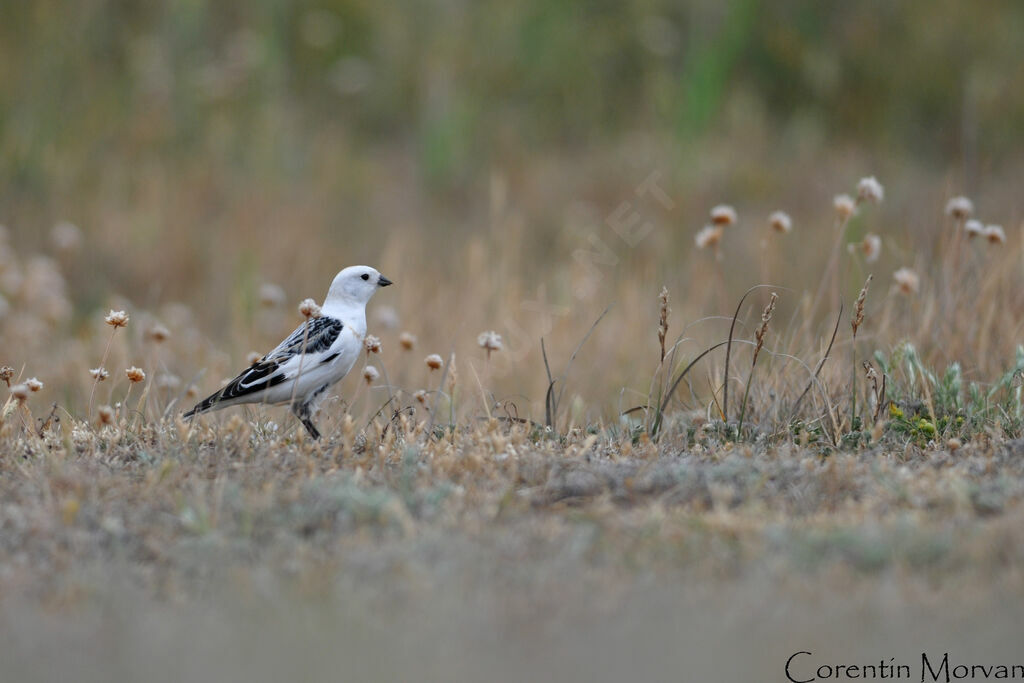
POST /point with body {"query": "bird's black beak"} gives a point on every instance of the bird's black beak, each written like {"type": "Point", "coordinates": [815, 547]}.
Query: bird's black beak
{"type": "Point", "coordinates": [383, 281]}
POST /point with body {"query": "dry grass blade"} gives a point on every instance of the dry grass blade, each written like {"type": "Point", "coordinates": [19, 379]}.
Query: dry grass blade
{"type": "Point", "coordinates": [821, 364]}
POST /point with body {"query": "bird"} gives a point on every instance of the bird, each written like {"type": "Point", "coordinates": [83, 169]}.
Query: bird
{"type": "Point", "coordinates": [318, 354]}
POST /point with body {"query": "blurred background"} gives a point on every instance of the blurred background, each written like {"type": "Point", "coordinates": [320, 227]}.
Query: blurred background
{"type": "Point", "coordinates": [481, 155]}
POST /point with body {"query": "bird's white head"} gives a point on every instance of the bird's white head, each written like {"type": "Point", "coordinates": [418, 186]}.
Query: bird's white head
{"type": "Point", "coordinates": [354, 286]}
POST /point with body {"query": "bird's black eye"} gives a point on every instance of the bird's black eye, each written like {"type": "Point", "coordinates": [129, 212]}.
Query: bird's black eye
{"type": "Point", "coordinates": [365, 276]}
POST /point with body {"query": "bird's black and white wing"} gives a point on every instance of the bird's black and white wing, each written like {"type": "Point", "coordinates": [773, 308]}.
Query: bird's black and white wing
{"type": "Point", "coordinates": [281, 364]}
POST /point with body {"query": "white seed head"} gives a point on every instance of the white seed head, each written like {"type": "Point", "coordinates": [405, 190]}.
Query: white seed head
{"type": "Point", "coordinates": [370, 374]}
{"type": "Point", "coordinates": [708, 236]}
{"type": "Point", "coordinates": [407, 340]}
{"type": "Point", "coordinates": [253, 357]}
{"type": "Point", "coordinates": [372, 343]}
{"type": "Point", "coordinates": [844, 206]}
{"type": "Point", "coordinates": [973, 228]}
{"type": "Point", "coordinates": [20, 392]}
{"type": "Point", "coordinates": [116, 319]}
{"type": "Point", "coordinates": [907, 281]}
{"type": "Point", "coordinates": [158, 333]}
{"type": "Point", "coordinates": [106, 415]}
{"type": "Point", "coordinates": [99, 374]}
{"type": "Point", "coordinates": [872, 247]}
{"type": "Point", "coordinates": [33, 384]}
{"type": "Point", "coordinates": [271, 295]}
{"type": "Point", "coordinates": [780, 222]}
{"type": "Point", "coordinates": [995, 234]}
{"type": "Point", "coordinates": [959, 208]}
{"type": "Point", "coordinates": [723, 214]}
{"type": "Point", "coordinates": [489, 340]}
{"type": "Point", "coordinates": [309, 309]}
{"type": "Point", "coordinates": [870, 190]}
{"type": "Point", "coordinates": [66, 236]}
{"type": "Point", "coordinates": [421, 396]}
{"type": "Point", "coordinates": [434, 361]}
{"type": "Point", "coordinates": [135, 374]}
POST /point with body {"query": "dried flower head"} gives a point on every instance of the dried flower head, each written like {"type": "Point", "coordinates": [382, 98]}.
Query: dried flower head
{"type": "Point", "coordinates": [168, 381]}
{"type": "Point", "coordinates": [489, 341]}
{"type": "Point", "coordinates": [66, 236]}
{"type": "Point", "coordinates": [421, 396]}
{"type": "Point", "coordinates": [106, 415]}
{"type": "Point", "coordinates": [20, 392]}
{"type": "Point", "coordinates": [907, 281]}
{"type": "Point", "coordinates": [33, 384]}
{"type": "Point", "coordinates": [116, 319]}
{"type": "Point", "coordinates": [973, 228]}
{"type": "Point", "coordinates": [253, 357]}
{"type": "Point", "coordinates": [99, 374]}
{"type": "Point", "coordinates": [844, 206]}
{"type": "Point", "coordinates": [271, 295]}
{"type": "Point", "coordinates": [434, 361]}
{"type": "Point", "coordinates": [858, 310]}
{"type": "Point", "coordinates": [370, 374]}
{"type": "Point", "coordinates": [708, 236]}
{"type": "Point", "coordinates": [723, 214]}
{"type": "Point", "coordinates": [959, 208]}
{"type": "Point", "coordinates": [372, 343]}
{"type": "Point", "coordinates": [407, 341]}
{"type": "Point", "coordinates": [872, 247]}
{"type": "Point", "coordinates": [6, 374]}
{"type": "Point", "coordinates": [309, 309]}
{"type": "Point", "coordinates": [780, 222]}
{"type": "Point", "coordinates": [870, 190]}
{"type": "Point", "coordinates": [995, 234]}
{"type": "Point", "coordinates": [135, 374]}
{"type": "Point", "coordinates": [158, 333]}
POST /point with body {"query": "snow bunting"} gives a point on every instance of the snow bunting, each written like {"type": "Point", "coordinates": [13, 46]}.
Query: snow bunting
{"type": "Point", "coordinates": [300, 376]}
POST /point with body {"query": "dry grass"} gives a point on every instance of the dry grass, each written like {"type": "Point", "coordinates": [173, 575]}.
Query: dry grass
{"type": "Point", "coordinates": [550, 486]}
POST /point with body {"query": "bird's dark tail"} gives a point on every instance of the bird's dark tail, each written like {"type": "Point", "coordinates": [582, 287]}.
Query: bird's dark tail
{"type": "Point", "coordinates": [206, 404]}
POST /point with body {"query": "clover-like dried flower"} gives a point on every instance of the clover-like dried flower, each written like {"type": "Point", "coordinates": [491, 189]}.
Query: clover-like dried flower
{"type": "Point", "coordinates": [421, 396]}
{"type": "Point", "coordinates": [99, 374]}
{"type": "Point", "coordinates": [372, 343]}
{"type": "Point", "coordinates": [973, 228]}
{"type": "Point", "coordinates": [66, 236]}
{"type": "Point", "coordinates": [844, 206]}
{"type": "Point", "coordinates": [907, 281]}
{"type": "Point", "coordinates": [871, 247]}
{"type": "Point", "coordinates": [135, 374]}
{"type": "Point", "coordinates": [370, 374]}
{"type": "Point", "coordinates": [434, 361]}
{"type": "Point", "coordinates": [6, 374]}
{"type": "Point", "coordinates": [723, 214]}
{"type": "Point", "coordinates": [407, 341]}
{"type": "Point", "coordinates": [995, 234]}
{"type": "Point", "coordinates": [309, 309]}
{"type": "Point", "coordinates": [20, 392]}
{"type": "Point", "coordinates": [253, 357]}
{"type": "Point", "coordinates": [708, 236]}
{"type": "Point", "coordinates": [780, 222]}
{"type": "Point", "coordinates": [106, 415]}
{"type": "Point", "coordinates": [33, 384]}
{"type": "Point", "coordinates": [116, 319]}
{"type": "Point", "coordinates": [158, 333]}
{"type": "Point", "coordinates": [870, 190]}
{"type": "Point", "coordinates": [271, 295]}
{"type": "Point", "coordinates": [959, 208]}
{"type": "Point", "coordinates": [490, 341]}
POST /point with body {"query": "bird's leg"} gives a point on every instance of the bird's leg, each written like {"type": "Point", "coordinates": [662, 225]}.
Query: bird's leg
{"type": "Point", "coordinates": [302, 411]}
